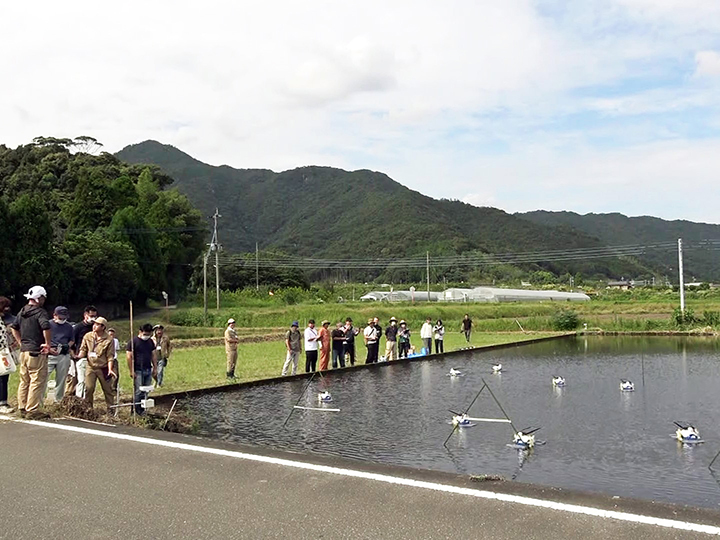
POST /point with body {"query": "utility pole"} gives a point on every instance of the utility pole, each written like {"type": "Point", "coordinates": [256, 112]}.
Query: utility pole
{"type": "Point", "coordinates": [205, 259]}
{"type": "Point", "coordinates": [682, 281]}
{"type": "Point", "coordinates": [216, 247]}
{"type": "Point", "coordinates": [427, 271]}
{"type": "Point", "coordinates": [257, 268]}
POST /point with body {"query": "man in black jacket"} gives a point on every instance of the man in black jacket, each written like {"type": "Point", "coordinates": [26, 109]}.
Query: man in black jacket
{"type": "Point", "coordinates": [32, 330]}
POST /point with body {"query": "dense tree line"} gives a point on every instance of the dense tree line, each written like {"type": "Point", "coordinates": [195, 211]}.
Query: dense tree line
{"type": "Point", "coordinates": [91, 228]}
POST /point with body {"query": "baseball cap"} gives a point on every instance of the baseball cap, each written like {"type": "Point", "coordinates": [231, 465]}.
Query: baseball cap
{"type": "Point", "coordinates": [230, 321]}
{"type": "Point", "coordinates": [62, 311]}
{"type": "Point", "coordinates": [101, 320]}
{"type": "Point", "coordinates": [36, 292]}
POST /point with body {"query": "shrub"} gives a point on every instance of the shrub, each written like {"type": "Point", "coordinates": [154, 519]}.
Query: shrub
{"type": "Point", "coordinates": [711, 318]}
{"type": "Point", "coordinates": [565, 320]}
{"type": "Point", "coordinates": [682, 318]}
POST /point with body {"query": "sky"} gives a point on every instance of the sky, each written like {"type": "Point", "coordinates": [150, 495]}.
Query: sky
{"type": "Point", "coordinates": [586, 106]}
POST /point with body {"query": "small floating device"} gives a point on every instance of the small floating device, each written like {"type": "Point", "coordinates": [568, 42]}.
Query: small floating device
{"type": "Point", "coordinates": [455, 372]}
{"type": "Point", "coordinates": [324, 397]}
{"type": "Point", "coordinates": [497, 368]}
{"type": "Point", "coordinates": [627, 386]}
{"type": "Point", "coordinates": [687, 433]}
{"type": "Point", "coordinates": [525, 438]}
{"type": "Point", "coordinates": [558, 381]}
{"type": "Point", "coordinates": [462, 420]}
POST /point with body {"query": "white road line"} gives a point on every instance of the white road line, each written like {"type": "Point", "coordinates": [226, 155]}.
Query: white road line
{"type": "Point", "coordinates": [517, 499]}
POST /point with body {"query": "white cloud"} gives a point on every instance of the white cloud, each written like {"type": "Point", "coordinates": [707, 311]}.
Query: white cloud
{"type": "Point", "coordinates": [450, 98]}
{"type": "Point", "coordinates": [707, 64]}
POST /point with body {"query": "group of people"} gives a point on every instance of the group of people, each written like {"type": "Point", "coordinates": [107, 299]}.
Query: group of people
{"type": "Point", "coordinates": [320, 343]}
{"type": "Point", "coordinates": [81, 355]}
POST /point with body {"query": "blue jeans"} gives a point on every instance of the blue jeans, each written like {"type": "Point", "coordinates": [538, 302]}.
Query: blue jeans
{"type": "Point", "coordinates": [142, 378]}
{"type": "Point", "coordinates": [161, 370]}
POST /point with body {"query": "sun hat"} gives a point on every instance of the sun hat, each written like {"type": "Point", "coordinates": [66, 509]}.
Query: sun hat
{"type": "Point", "coordinates": [403, 321]}
{"type": "Point", "coordinates": [230, 321]}
{"type": "Point", "coordinates": [158, 326]}
{"type": "Point", "coordinates": [393, 319]}
{"type": "Point", "coordinates": [324, 322]}
{"type": "Point", "coordinates": [295, 323]}
{"type": "Point", "coordinates": [36, 292]}
{"type": "Point", "coordinates": [101, 320]}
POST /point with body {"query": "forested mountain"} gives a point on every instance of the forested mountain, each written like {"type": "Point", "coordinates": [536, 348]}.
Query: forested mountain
{"type": "Point", "coordinates": [701, 258]}
{"type": "Point", "coordinates": [91, 228]}
{"type": "Point", "coordinates": [326, 212]}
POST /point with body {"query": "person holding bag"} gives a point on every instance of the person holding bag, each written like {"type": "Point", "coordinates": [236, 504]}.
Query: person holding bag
{"type": "Point", "coordinates": [7, 360]}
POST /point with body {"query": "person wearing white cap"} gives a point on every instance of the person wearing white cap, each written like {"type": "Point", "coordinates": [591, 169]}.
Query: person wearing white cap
{"type": "Point", "coordinates": [32, 330]}
{"type": "Point", "coordinates": [231, 345]}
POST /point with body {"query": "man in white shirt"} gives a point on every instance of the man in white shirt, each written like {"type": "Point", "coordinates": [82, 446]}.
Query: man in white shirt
{"type": "Point", "coordinates": [426, 334]}
{"type": "Point", "coordinates": [311, 346]}
{"type": "Point", "coordinates": [371, 341]}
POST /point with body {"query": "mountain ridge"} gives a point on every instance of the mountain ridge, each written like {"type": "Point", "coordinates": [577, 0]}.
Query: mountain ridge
{"type": "Point", "coordinates": [322, 211]}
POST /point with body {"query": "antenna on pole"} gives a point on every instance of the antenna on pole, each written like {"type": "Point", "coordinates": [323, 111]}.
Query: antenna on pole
{"type": "Point", "coordinates": [682, 281]}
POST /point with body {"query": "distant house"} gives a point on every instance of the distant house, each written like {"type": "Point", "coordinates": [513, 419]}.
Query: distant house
{"type": "Point", "coordinates": [623, 284]}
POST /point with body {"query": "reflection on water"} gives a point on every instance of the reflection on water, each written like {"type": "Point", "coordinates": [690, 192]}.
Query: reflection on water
{"type": "Point", "coordinates": [598, 438]}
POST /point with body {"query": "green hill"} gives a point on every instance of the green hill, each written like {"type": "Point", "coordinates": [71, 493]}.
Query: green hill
{"type": "Point", "coordinates": [326, 212]}
{"type": "Point", "coordinates": [701, 260]}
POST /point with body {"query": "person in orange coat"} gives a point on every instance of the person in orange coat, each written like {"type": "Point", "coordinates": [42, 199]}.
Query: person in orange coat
{"type": "Point", "coordinates": [324, 339]}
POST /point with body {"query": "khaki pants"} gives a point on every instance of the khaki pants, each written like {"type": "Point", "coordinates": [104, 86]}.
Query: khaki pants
{"type": "Point", "coordinates": [231, 361]}
{"type": "Point", "coordinates": [33, 375]}
{"type": "Point", "coordinates": [93, 375]}
{"type": "Point", "coordinates": [391, 350]}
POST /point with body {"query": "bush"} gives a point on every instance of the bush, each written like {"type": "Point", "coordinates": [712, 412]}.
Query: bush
{"type": "Point", "coordinates": [711, 318]}
{"type": "Point", "coordinates": [565, 320]}
{"type": "Point", "coordinates": [682, 318]}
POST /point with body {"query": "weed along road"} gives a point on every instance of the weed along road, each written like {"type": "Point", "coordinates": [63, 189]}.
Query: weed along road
{"type": "Point", "coordinates": [136, 484]}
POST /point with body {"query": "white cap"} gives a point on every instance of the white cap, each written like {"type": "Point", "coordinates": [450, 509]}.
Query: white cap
{"type": "Point", "coordinates": [36, 292]}
{"type": "Point", "coordinates": [230, 321]}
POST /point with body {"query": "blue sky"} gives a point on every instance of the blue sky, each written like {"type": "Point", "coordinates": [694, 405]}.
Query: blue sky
{"type": "Point", "coordinates": [592, 106]}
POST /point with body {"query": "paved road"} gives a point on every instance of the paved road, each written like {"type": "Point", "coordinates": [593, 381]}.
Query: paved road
{"type": "Point", "coordinates": [73, 485]}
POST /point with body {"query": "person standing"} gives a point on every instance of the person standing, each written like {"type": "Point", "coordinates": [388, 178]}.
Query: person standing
{"type": "Point", "coordinates": [163, 348]}
{"type": "Point", "coordinates": [59, 357]}
{"type": "Point", "coordinates": [31, 329]}
{"type": "Point", "coordinates": [75, 383]}
{"type": "Point", "coordinates": [116, 380]}
{"type": "Point", "coordinates": [231, 348]}
{"type": "Point", "coordinates": [349, 341]}
{"type": "Point", "coordinates": [379, 330]}
{"type": "Point", "coordinates": [371, 338]}
{"type": "Point", "coordinates": [142, 364]}
{"type": "Point", "coordinates": [426, 334]}
{"type": "Point", "coordinates": [403, 337]}
{"type": "Point", "coordinates": [466, 327]}
{"type": "Point", "coordinates": [293, 345]}
{"type": "Point", "coordinates": [391, 349]}
{"type": "Point", "coordinates": [324, 341]}
{"type": "Point", "coordinates": [6, 344]}
{"type": "Point", "coordinates": [439, 332]}
{"type": "Point", "coordinates": [99, 351]}
{"type": "Point", "coordinates": [338, 346]}
{"type": "Point", "coordinates": [311, 347]}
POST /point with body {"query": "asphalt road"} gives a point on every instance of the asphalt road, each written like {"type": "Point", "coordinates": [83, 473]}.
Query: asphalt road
{"type": "Point", "coordinates": [73, 485]}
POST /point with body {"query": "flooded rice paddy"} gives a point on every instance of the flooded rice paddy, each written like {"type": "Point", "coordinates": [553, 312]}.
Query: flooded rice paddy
{"type": "Point", "coordinates": [598, 438]}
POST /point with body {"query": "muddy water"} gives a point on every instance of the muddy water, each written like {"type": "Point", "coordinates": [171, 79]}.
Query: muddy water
{"type": "Point", "coordinates": [598, 438]}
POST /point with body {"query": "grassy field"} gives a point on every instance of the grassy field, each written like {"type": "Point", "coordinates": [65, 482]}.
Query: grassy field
{"type": "Point", "coordinates": [205, 366]}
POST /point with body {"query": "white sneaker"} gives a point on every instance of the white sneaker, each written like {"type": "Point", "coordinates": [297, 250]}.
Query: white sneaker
{"type": "Point", "coordinates": [6, 409]}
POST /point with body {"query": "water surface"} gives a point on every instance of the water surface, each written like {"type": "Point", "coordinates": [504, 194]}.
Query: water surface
{"type": "Point", "coordinates": [598, 438]}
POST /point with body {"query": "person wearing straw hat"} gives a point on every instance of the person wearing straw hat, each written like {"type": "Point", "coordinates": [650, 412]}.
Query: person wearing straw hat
{"type": "Point", "coordinates": [231, 348]}
{"type": "Point", "coordinates": [324, 342]}
{"type": "Point", "coordinates": [31, 329]}
{"type": "Point", "coordinates": [293, 346]}
{"type": "Point", "coordinates": [99, 350]}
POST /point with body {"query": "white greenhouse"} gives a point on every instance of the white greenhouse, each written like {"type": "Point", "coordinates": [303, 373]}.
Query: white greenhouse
{"type": "Point", "coordinates": [477, 294]}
